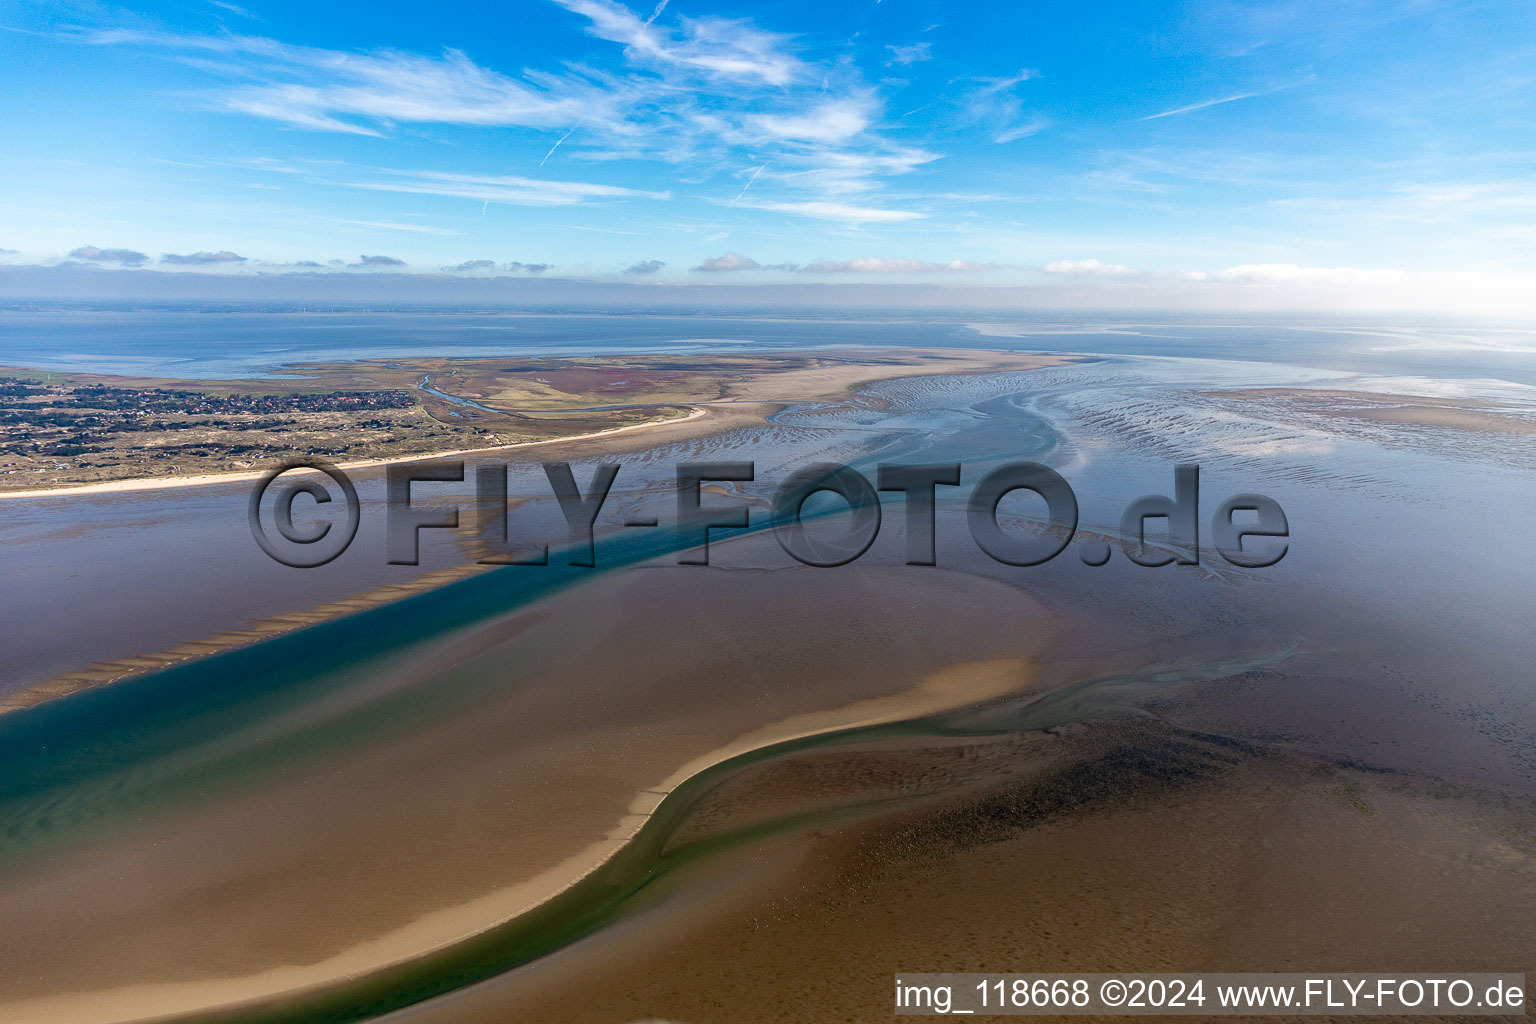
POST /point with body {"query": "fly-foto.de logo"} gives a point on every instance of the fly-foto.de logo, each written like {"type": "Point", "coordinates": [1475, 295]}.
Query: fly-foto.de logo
{"type": "Point", "coordinates": [1247, 530]}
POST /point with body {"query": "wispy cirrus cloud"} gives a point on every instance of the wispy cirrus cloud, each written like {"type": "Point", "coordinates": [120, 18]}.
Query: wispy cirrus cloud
{"type": "Point", "coordinates": [1021, 130]}
{"type": "Point", "coordinates": [234, 9]}
{"type": "Point", "coordinates": [910, 53]}
{"type": "Point", "coordinates": [390, 225]}
{"type": "Point", "coordinates": [509, 189]}
{"type": "Point", "coordinates": [836, 173]}
{"type": "Point", "coordinates": [361, 93]}
{"type": "Point", "coordinates": [844, 213]}
{"type": "Point", "coordinates": [512, 190]}
{"type": "Point", "coordinates": [717, 46]}
{"type": "Point", "coordinates": [996, 104]}
{"type": "Point", "coordinates": [1504, 202]}
{"type": "Point", "coordinates": [709, 92]}
{"type": "Point", "coordinates": [831, 121]}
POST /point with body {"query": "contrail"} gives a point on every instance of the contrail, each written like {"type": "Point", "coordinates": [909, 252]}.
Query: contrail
{"type": "Point", "coordinates": [733, 202]}
{"type": "Point", "coordinates": [555, 146]}
{"type": "Point", "coordinates": [746, 186]}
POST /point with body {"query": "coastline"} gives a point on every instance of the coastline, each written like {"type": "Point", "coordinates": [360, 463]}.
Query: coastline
{"type": "Point", "coordinates": [969, 682]}
{"type": "Point", "coordinates": [748, 401]}
{"type": "Point", "coordinates": [780, 388]}
{"type": "Point", "coordinates": [267, 626]}
{"type": "Point", "coordinates": [155, 483]}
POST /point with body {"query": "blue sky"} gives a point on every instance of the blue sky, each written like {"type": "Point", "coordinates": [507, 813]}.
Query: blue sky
{"type": "Point", "coordinates": [1355, 147]}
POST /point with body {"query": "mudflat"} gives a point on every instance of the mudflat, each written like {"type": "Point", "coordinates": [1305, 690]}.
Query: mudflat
{"type": "Point", "coordinates": [541, 749]}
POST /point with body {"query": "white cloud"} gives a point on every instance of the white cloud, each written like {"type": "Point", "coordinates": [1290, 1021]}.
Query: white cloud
{"type": "Point", "coordinates": [1021, 130]}
{"type": "Point", "coordinates": [501, 189]}
{"type": "Point", "coordinates": [337, 89]}
{"type": "Point", "coordinates": [1000, 84]}
{"type": "Point", "coordinates": [394, 226]}
{"type": "Point", "coordinates": [719, 46]}
{"type": "Point", "coordinates": [1250, 287]}
{"type": "Point", "coordinates": [831, 121]}
{"type": "Point", "coordinates": [1290, 273]}
{"type": "Point", "coordinates": [840, 172]}
{"type": "Point", "coordinates": [995, 105]}
{"type": "Point", "coordinates": [1089, 267]}
{"type": "Point", "coordinates": [912, 53]}
{"type": "Point", "coordinates": [710, 93]}
{"type": "Point", "coordinates": [894, 265]}
{"type": "Point", "coordinates": [841, 212]}
{"type": "Point", "coordinates": [96, 254]}
{"type": "Point", "coordinates": [234, 9]}
{"type": "Point", "coordinates": [482, 267]}
{"type": "Point", "coordinates": [203, 258]}
{"type": "Point", "coordinates": [1517, 194]}
{"type": "Point", "coordinates": [730, 261]}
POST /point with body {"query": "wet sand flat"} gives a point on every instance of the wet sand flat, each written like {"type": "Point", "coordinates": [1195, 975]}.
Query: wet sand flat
{"type": "Point", "coordinates": [139, 514]}
{"type": "Point", "coordinates": [1407, 410]}
{"type": "Point", "coordinates": [1124, 847]}
{"type": "Point", "coordinates": [1324, 767]}
{"type": "Point", "coordinates": [559, 728]}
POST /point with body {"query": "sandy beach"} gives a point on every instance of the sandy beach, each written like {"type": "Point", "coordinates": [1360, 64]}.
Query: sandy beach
{"type": "Point", "coordinates": [782, 388]}
{"type": "Point", "coordinates": [155, 483]}
{"type": "Point", "coordinates": [749, 403]}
